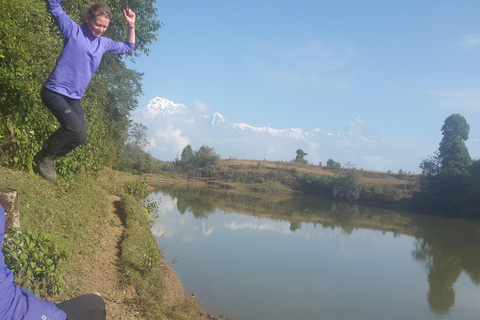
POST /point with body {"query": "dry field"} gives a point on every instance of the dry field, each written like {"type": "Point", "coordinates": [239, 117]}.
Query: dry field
{"type": "Point", "coordinates": [371, 178]}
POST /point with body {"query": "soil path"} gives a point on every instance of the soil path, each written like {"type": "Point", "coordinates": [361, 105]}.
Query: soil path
{"type": "Point", "coordinates": [104, 279]}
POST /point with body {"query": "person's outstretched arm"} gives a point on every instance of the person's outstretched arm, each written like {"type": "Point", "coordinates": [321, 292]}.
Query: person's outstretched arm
{"type": "Point", "coordinates": [130, 17]}
{"type": "Point", "coordinates": [65, 23]}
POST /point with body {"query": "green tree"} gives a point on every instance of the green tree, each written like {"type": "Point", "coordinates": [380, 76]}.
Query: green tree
{"type": "Point", "coordinates": [29, 45]}
{"type": "Point", "coordinates": [349, 165]}
{"type": "Point", "coordinates": [431, 165]}
{"type": "Point", "coordinates": [450, 182]}
{"type": "Point", "coordinates": [137, 136]}
{"type": "Point", "coordinates": [187, 158]}
{"type": "Point", "coordinates": [332, 164]}
{"type": "Point", "coordinates": [347, 187]}
{"type": "Point", "coordinates": [205, 156]}
{"type": "Point", "coordinates": [453, 152]}
{"type": "Point", "coordinates": [300, 157]}
{"type": "Point", "coordinates": [28, 49]}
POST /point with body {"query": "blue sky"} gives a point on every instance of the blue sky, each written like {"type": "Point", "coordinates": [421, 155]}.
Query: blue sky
{"type": "Point", "coordinates": [403, 66]}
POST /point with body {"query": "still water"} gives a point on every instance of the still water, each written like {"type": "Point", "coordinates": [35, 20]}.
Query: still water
{"type": "Point", "coordinates": [266, 257]}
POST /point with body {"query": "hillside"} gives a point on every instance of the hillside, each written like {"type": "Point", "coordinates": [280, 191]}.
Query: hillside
{"type": "Point", "coordinates": [93, 219]}
{"type": "Point", "coordinates": [293, 178]}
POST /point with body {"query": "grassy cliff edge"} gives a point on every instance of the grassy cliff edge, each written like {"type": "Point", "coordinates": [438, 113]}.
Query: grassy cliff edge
{"type": "Point", "coordinates": [137, 283]}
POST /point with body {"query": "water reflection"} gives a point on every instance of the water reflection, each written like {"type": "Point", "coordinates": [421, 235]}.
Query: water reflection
{"type": "Point", "coordinates": [444, 247]}
{"type": "Point", "coordinates": [203, 202]}
{"type": "Point", "coordinates": [447, 248]}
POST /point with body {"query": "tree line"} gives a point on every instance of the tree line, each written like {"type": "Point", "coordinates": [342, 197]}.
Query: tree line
{"type": "Point", "coordinates": [449, 184]}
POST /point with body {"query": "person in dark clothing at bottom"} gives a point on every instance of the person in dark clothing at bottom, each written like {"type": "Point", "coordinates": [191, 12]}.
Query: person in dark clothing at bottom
{"type": "Point", "coordinates": [19, 304]}
{"type": "Point", "coordinates": [86, 307]}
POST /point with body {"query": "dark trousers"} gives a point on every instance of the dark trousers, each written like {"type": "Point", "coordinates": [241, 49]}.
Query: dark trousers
{"type": "Point", "coordinates": [86, 307]}
{"type": "Point", "coordinates": [69, 112]}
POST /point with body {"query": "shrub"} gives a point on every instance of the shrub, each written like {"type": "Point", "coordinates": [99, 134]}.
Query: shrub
{"type": "Point", "coordinates": [136, 188]}
{"type": "Point", "coordinates": [347, 187]}
{"type": "Point", "coordinates": [333, 165]}
{"type": "Point", "coordinates": [35, 261]}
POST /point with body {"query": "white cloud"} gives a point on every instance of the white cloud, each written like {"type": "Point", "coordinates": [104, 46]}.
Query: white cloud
{"type": "Point", "coordinates": [469, 40]}
{"type": "Point", "coordinates": [207, 230]}
{"type": "Point", "coordinates": [281, 227]}
{"type": "Point", "coordinates": [169, 140]}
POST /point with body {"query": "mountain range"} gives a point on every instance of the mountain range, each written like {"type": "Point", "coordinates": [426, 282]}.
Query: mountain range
{"type": "Point", "coordinates": [171, 126]}
{"type": "Point", "coordinates": [164, 108]}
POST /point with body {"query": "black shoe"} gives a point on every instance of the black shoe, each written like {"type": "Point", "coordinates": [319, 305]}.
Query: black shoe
{"type": "Point", "coordinates": [45, 164]}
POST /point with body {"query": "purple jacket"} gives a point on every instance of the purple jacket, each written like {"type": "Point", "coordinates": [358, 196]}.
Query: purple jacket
{"type": "Point", "coordinates": [17, 303]}
{"type": "Point", "coordinates": [81, 54]}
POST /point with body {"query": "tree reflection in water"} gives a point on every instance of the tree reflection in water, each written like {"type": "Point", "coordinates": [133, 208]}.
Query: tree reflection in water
{"type": "Point", "coordinates": [445, 247]}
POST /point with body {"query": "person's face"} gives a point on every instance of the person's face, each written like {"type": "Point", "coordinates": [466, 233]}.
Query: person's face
{"type": "Point", "coordinates": [97, 25]}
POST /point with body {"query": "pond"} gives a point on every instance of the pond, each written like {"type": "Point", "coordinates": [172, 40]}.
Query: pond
{"type": "Point", "coordinates": [249, 257]}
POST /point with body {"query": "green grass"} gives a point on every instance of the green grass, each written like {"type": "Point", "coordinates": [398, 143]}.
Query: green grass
{"type": "Point", "coordinates": [142, 265]}
{"type": "Point", "coordinates": [70, 211]}
{"type": "Point", "coordinates": [73, 213]}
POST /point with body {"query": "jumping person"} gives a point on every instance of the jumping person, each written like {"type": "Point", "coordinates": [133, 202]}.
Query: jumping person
{"type": "Point", "coordinates": [19, 304]}
{"type": "Point", "coordinates": [82, 52]}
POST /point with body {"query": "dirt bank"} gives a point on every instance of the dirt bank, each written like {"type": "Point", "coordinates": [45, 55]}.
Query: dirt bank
{"type": "Point", "coordinates": [106, 279]}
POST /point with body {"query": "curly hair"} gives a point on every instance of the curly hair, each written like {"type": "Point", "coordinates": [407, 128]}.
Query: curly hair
{"type": "Point", "coordinates": [98, 9]}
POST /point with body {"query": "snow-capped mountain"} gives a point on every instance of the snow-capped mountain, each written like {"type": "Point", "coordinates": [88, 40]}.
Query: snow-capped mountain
{"type": "Point", "coordinates": [292, 133]}
{"type": "Point", "coordinates": [358, 130]}
{"type": "Point", "coordinates": [161, 108]}
{"type": "Point", "coordinates": [172, 126]}
{"type": "Point", "coordinates": [217, 118]}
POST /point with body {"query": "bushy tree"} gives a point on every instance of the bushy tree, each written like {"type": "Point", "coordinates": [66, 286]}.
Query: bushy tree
{"type": "Point", "coordinates": [332, 164]}
{"type": "Point", "coordinates": [137, 136]}
{"type": "Point", "coordinates": [449, 184]}
{"type": "Point", "coordinates": [28, 49]}
{"type": "Point", "coordinates": [187, 158]}
{"type": "Point", "coordinates": [431, 165]}
{"type": "Point", "coordinates": [205, 156]}
{"type": "Point", "coordinates": [300, 157]}
{"type": "Point", "coordinates": [29, 45]}
{"type": "Point", "coordinates": [347, 187]}
{"type": "Point", "coordinates": [453, 152]}
{"type": "Point", "coordinates": [133, 157]}
{"type": "Point", "coordinates": [452, 156]}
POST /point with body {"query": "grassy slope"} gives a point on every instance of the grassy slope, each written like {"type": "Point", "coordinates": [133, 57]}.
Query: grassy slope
{"type": "Point", "coordinates": [75, 214]}
{"type": "Point", "coordinates": [71, 212]}
{"type": "Point", "coordinates": [367, 177]}
{"type": "Point", "coordinates": [403, 185]}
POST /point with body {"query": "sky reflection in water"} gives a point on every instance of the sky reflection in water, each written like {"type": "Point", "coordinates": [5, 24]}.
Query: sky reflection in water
{"type": "Point", "coordinates": [250, 268]}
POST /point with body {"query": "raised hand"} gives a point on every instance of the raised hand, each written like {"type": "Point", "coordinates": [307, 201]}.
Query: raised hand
{"type": "Point", "coordinates": [129, 16]}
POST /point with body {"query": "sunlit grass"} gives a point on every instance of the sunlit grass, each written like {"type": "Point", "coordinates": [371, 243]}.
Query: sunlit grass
{"type": "Point", "coordinates": [72, 212]}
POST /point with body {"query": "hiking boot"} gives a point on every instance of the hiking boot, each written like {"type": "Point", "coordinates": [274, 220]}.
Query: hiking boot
{"type": "Point", "coordinates": [45, 164]}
